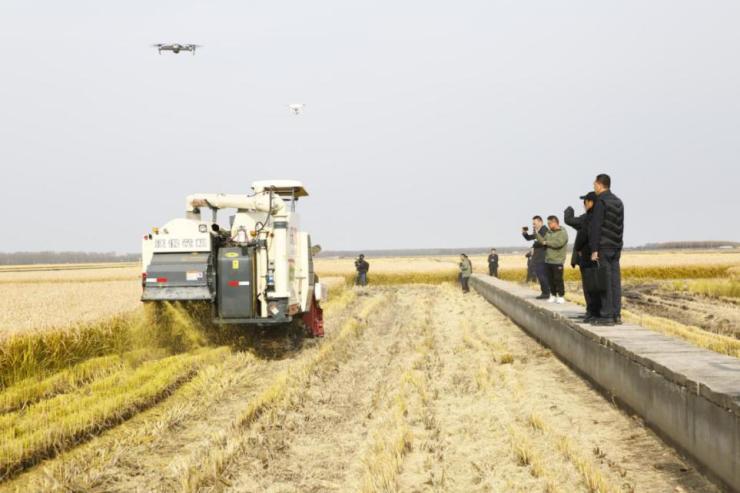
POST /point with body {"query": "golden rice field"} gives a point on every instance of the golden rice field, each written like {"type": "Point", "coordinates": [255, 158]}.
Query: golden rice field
{"type": "Point", "coordinates": [416, 387]}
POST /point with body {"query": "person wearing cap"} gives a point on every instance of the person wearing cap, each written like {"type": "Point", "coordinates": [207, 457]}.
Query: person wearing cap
{"type": "Point", "coordinates": [582, 251]}
{"type": "Point", "coordinates": [362, 266]}
{"type": "Point", "coordinates": [493, 263]}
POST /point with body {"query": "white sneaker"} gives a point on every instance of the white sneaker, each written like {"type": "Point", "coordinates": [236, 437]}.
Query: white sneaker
{"type": "Point", "coordinates": [560, 300]}
{"type": "Point", "coordinates": [551, 299]}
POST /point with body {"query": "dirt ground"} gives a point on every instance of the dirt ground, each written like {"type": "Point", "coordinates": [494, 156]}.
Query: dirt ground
{"type": "Point", "coordinates": [414, 388]}
{"type": "Point", "coordinates": [716, 315]}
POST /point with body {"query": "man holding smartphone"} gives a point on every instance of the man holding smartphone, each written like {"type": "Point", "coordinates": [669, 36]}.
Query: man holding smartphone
{"type": "Point", "coordinates": [538, 254]}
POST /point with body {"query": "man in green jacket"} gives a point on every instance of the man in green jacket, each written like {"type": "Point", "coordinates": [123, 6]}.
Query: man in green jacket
{"type": "Point", "coordinates": [466, 270]}
{"type": "Point", "coordinates": [556, 245]}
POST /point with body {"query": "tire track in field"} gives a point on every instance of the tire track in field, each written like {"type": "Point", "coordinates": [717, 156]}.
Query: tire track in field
{"type": "Point", "coordinates": [314, 444]}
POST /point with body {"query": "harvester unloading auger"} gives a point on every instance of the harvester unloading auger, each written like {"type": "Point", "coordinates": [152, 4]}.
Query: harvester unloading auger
{"type": "Point", "coordinates": [258, 273]}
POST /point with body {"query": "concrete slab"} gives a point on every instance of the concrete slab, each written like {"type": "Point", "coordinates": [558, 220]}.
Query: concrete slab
{"type": "Point", "coordinates": [688, 395]}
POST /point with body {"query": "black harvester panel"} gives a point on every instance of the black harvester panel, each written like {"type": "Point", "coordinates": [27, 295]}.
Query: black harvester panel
{"type": "Point", "coordinates": [178, 277]}
{"type": "Point", "coordinates": [235, 283]}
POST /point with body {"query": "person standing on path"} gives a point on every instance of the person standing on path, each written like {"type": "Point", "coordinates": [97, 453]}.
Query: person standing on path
{"type": "Point", "coordinates": [556, 245]}
{"type": "Point", "coordinates": [582, 252]}
{"type": "Point", "coordinates": [606, 239]}
{"type": "Point", "coordinates": [531, 277]}
{"type": "Point", "coordinates": [538, 254]}
{"type": "Point", "coordinates": [362, 266]}
{"type": "Point", "coordinates": [493, 263]}
{"type": "Point", "coordinates": [466, 270]}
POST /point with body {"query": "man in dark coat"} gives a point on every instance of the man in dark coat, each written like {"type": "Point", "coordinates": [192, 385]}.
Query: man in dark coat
{"type": "Point", "coordinates": [538, 254]}
{"type": "Point", "coordinates": [531, 277]}
{"type": "Point", "coordinates": [582, 252]}
{"type": "Point", "coordinates": [606, 233]}
{"type": "Point", "coordinates": [362, 266]}
{"type": "Point", "coordinates": [493, 263]}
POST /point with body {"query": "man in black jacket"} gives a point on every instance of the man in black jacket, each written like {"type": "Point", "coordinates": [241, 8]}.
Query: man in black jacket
{"type": "Point", "coordinates": [538, 254]}
{"type": "Point", "coordinates": [362, 266]}
{"type": "Point", "coordinates": [493, 263]}
{"type": "Point", "coordinates": [582, 252]}
{"type": "Point", "coordinates": [606, 233]}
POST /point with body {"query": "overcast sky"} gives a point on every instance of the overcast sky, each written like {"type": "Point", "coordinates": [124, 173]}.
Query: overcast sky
{"type": "Point", "coordinates": [427, 124]}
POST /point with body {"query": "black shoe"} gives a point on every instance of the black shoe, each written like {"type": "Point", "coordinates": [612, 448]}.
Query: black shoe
{"type": "Point", "coordinates": [588, 318]}
{"type": "Point", "coordinates": [602, 321]}
{"type": "Point", "coordinates": [617, 320]}
{"type": "Point", "coordinates": [543, 297]}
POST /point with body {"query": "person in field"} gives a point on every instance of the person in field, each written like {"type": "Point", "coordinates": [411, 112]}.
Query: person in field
{"type": "Point", "coordinates": [538, 254]}
{"type": "Point", "coordinates": [582, 252]}
{"type": "Point", "coordinates": [555, 242]}
{"type": "Point", "coordinates": [531, 277]}
{"type": "Point", "coordinates": [362, 267]}
{"type": "Point", "coordinates": [466, 270]}
{"type": "Point", "coordinates": [493, 263]}
{"type": "Point", "coordinates": [606, 239]}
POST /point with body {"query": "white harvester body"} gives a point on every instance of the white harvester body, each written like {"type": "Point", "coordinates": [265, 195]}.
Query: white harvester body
{"type": "Point", "coordinates": [258, 272]}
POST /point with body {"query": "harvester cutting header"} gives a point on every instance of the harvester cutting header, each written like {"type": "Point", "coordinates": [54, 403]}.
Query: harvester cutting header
{"type": "Point", "coordinates": [259, 272]}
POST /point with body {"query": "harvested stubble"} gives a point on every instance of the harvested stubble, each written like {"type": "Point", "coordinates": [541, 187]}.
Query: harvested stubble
{"type": "Point", "coordinates": [205, 466]}
{"type": "Point", "coordinates": [393, 438]}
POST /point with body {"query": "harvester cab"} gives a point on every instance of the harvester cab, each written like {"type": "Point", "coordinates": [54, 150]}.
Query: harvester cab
{"type": "Point", "coordinates": [258, 272]}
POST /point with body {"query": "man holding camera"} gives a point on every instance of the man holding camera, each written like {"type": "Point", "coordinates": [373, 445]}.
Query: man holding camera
{"type": "Point", "coordinates": [362, 267]}
{"type": "Point", "coordinates": [538, 254]}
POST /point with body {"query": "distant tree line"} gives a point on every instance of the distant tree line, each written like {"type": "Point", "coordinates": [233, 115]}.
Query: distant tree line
{"type": "Point", "coordinates": [681, 245]}
{"type": "Point", "coordinates": [18, 258]}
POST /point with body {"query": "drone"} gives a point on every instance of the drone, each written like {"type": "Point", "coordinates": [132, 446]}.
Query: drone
{"type": "Point", "coordinates": [297, 108]}
{"type": "Point", "coordinates": [175, 48]}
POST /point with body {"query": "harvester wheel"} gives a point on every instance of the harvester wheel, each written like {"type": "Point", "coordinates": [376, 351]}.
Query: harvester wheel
{"type": "Point", "coordinates": [314, 320]}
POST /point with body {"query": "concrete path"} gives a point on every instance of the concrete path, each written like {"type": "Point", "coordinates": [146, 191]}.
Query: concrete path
{"type": "Point", "coordinates": [689, 395]}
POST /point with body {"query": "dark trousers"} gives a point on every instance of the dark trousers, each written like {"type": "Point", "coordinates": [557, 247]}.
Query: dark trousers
{"type": "Point", "coordinates": [541, 272]}
{"type": "Point", "coordinates": [593, 299]}
{"type": "Point", "coordinates": [464, 283]}
{"type": "Point", "coordinates": [555, 279]}
{"type": "Point", "coordinates": [611, 299]}
{"type": "Point", "coordinates": [361, 279]}
{"type": "Point", "coordinates": [530, 272]}
{"type": "Point", "coordinates": [493, 270]}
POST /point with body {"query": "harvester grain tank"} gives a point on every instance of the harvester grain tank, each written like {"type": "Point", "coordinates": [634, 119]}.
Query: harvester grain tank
{"type": "Point", "coordinates": [259, 272]}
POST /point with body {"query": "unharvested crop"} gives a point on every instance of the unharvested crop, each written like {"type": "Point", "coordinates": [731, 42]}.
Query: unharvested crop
{"type": "Point", "coordinates": [715, 288]}
{"type": "Point", "coordinates": [74, 416]}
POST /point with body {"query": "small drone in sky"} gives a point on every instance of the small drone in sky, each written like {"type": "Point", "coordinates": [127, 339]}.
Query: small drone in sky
{"type": "Point", "coordinates": [176, 47]}
{"type": "Point", "coordinates": [297, 108]}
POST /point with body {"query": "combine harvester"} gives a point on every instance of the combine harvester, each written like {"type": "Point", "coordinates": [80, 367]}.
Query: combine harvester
{"type": "Point", "coordinates": [258, 273]}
